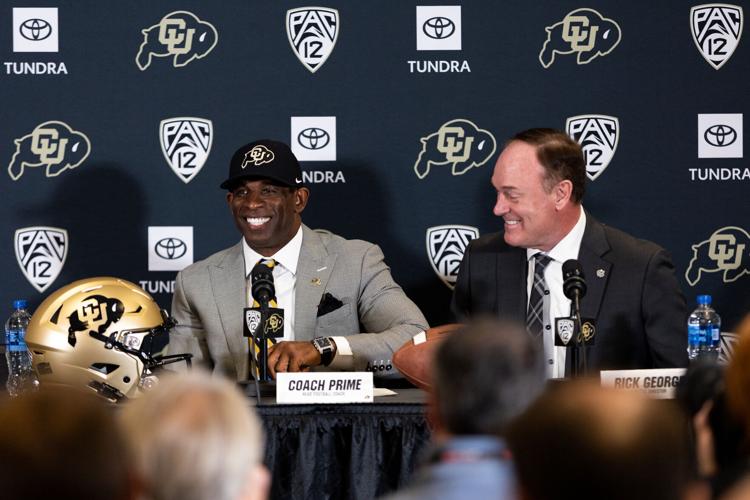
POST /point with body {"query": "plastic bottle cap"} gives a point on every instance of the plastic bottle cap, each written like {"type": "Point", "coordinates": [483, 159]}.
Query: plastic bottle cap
{"type": "Point", "coordinates": [704, 299]}
{"type": "Point", "coordinates": [20, 304]}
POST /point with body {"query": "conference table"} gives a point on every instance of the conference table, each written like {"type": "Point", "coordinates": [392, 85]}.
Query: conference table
{"type": "Point", "coordinates": [343, 451]}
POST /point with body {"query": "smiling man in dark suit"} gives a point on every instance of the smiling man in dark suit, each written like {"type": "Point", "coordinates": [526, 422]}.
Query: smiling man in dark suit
{"type": "Point", "coordinates": [336, 292]}
{"type": "Point", "coordinates": [633, 294]}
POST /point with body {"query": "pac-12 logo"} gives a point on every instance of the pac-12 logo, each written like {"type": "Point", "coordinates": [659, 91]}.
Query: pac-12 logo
{"type": "Point", "coordinates": [727, 251]}
{"type": "Point", "coordinates": [312, 33]}
{"type": "Point", "coordinates": [584, 32]}
{"type": "Point", "coordinates": [186, 144]}
{"type": "Point", "coordinates": [598, 136]}
{"type": "Point", "coordinates": [446, 246]}
{"type": "Point", "coordinates": [53, 145]}
{"type": "Point", "coordinates": [716, 29]}
{"type": "Point", "coordinates": [179, 34]}
{"type": "Point", "coordinates": [41, 253]}
{"type": "Point", "coordinates": [459, 143]}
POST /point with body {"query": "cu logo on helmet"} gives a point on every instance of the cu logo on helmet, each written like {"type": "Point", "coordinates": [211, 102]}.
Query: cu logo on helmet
{"type": "Point", "coordinates": [35, 29]}
{"type": "Point", "coordinates": [170, 248]}
{"type": "Point", "coordinates": [438, 27]}
{"type": "Point", "coordinates": [720, 135]}
{"type": "Point", "coordinates": [313, 138]}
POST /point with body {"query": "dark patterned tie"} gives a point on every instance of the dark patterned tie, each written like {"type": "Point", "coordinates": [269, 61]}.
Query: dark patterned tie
{"type": "Point", "coordinates": [535, 311]}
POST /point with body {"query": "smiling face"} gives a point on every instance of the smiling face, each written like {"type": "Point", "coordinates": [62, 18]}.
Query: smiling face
{"type": "Point", "coordinates": [267, 214]}
{"type": "Point", "coordinates": [537, 213]}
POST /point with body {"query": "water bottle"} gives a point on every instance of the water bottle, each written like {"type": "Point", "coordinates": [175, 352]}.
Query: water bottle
{"type": "Point", "coordinates": [704, 330]}
{"type": "Point", "coordinates": [21, 377]}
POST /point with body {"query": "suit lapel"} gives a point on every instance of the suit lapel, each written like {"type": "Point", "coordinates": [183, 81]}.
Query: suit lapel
{"type": "Point", "coordinates": [313, 272]}
{"type": "Point", "coordinates": [229, 288]}
{"type": "Point", "coordinates": [595, 268]}
{"type": "Point", "coordinates": [511, 276]}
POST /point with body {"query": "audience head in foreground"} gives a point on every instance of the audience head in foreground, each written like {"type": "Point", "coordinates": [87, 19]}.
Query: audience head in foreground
{"type": "Point", "coordinates": [583, 441]}
{"type": "Point", "coordinates": [62, 444]}
{"type": "Point", "coordinates": [195, 437]}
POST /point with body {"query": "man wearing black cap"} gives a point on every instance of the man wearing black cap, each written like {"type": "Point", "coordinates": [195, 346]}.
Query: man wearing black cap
{"type": "Point", "coordinates": [331, 289]}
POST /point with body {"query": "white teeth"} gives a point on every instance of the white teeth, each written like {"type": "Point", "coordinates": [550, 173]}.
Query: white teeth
{"type": "Point", "coordinates": [257, 221]}
{"type": "Point", "coordinates": [512, 222]}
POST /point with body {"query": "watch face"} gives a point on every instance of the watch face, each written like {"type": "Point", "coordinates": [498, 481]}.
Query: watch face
{"type": "Point", "coordinates": [322, 343]}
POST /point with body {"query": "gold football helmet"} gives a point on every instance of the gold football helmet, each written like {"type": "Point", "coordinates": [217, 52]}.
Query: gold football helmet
{"type": "Point", "coordinates": [104, 334]}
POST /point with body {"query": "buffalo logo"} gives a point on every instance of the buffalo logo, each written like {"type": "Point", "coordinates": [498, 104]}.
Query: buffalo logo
{"type": "Point", "coordinates": [258, 156]}
{"type": "Point", "coordinates": [723, 252]}
{"type": "Point", "coordinates": [274, 323]}
{"type": "Point", "coordinates": [446, 246]}
{"type": "Point", "coordinates": [587, 332]}
{"type": "Point", "coordinates": [35, 29]}
{"type": "Point", "coordinates": [582, 31]}
{"type": "Point", "coordinates": [720, 135]}
{"type": "Point", "coordinates": [252, 320]}
{"type": "Point", "coordinates": [41, 253]}
{"type": "Point", "coordinates": [312, 33]}
{"type": "Point", "coordinates": [94, 314]}
{"type": "Point", "coordinates": [53, 145]}
{"type": "Point", "coordinates": [180, 34]}
{"type": "Point", "coordinates": [438, 27]}
{"type": "Point", "coordinates": [186, 143]}
{"type": "Point", "coordinates": [458, 143]}
{"type": "Point", "coordinates": [170, 248]}
{"type": "Point", "coordinates": [716, 29]}
{"type": "Point", "coordinates": [565, 328]}
{"type": "Point", "coordinates": [313, 138]}
{"type": "Point", "coordinates": [598, 136]}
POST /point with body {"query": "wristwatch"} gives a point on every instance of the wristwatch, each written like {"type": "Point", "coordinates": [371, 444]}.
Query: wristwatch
{"type": "Point", "coordinates": [326, 348]}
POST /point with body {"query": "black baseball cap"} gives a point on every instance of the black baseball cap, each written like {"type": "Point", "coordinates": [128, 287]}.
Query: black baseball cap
{"type": "Point", "coordinates": [264, 159]}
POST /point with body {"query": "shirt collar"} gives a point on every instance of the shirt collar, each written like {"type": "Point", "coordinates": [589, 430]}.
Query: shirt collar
{"type": "Point", "coordinates": [287, 256]}
{"type": "Point", "coordinates": [568, 247]}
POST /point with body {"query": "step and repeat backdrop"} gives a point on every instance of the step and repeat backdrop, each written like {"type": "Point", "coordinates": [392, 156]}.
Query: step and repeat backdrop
{"type": "Point", "coordinates": [118, 120]}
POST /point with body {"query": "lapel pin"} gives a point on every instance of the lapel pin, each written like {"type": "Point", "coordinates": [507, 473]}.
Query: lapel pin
{"type": "Point", "coordinates": [315, 281]}
{"type": "Point", "coordinates": [600, 273]}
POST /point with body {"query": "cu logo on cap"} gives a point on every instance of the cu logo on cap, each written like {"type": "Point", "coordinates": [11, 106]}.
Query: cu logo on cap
{"type": "Point", "coordinates": [438, 27]}
{"type": "Point", "coordinates": [170, 248]}
{"type": "Point", "coordinates": [35, 29]}
{"type": "Point", "coordinates": [720, 135]}
{"type": "Point", "coordinates": [313, 138]}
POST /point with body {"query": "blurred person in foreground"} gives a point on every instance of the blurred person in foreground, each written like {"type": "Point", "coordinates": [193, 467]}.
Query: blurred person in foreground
{"type": "Point", "coordinates": [62, 444]}
{"type": "Point", "coordinates": [583, 441]}
{"type": "Point", "coordinates": [483, 376]}
{"type": "Point", "coordinates": [738, 400]}
{"type": "Point", "coordinates": [195, 437]}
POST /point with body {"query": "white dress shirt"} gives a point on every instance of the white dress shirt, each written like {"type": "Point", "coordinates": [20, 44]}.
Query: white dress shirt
{"type": "Point", "coordinates": [285, 281]}
{"type": "Point", "coordinates": [556, 304]}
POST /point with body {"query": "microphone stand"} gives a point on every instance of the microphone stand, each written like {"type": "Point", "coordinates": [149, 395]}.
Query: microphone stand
{"type": "Point", "coordinates": [580, 344]}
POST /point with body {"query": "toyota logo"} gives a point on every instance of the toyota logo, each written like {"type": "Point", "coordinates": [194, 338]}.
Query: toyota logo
{"type": "Point", "coordinates": [35, 29]}
{"type": "Point", "coordinates": [720, 135]}
{"type": "Point", "coordinates": [170, 248]}
{"type": "Point", "coordinates": [438, 27]}
{"type": "Point", "coordinates": [313, 138]}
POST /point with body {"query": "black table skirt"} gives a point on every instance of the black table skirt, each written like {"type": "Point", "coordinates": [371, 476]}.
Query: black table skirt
{"type": "Point", "coordinates": [352, 451]}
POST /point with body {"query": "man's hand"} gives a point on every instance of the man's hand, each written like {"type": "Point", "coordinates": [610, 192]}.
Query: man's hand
{"type": "Point", "coordinates": [293, 356]}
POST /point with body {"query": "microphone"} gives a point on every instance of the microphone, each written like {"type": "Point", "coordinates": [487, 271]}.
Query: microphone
{"type": "Point", "coordinates": [574, 282]}
{"type": "Point", "coordinates": [262, 288]}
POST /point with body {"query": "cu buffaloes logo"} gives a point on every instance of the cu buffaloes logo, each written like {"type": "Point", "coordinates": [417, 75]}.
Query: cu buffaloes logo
{"type": "Point", "coordinates": [446, 246]}
{"type": "Point", "coordinates": [598, 136]}
{"type": "Point", "coordinates": [716, 29]}
{"type": "Point", "coordinates": [458, 143]}
{"type": "Point", "coordinates": [179, 34]}
{"type": "Point", "coordinates": [726, 251]}
{"type": "Point", "coordinates": [186, 144]}
{"type": "Point", "coordinates": [312, 33]}
{"type": "Point", "coordinates": [41, 253]}
{"type": "Point", "coordinates": [94, 314]}
{"type": "Point", "coordinates": [53, 145]}
{"type": "Point", "coordinates": [584, 32]}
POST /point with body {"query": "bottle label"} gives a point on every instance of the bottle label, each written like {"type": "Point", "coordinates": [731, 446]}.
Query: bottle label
{"type": "Point", "coordinates": [694, 334]}
{"type": "Point", "coordinates": [715, 334]}
{"type": "Point", "coordinates": [15, 341]}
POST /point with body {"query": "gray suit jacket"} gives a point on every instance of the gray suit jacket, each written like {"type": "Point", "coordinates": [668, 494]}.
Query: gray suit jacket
{"type": "Point", "coordinates": [210, 296]}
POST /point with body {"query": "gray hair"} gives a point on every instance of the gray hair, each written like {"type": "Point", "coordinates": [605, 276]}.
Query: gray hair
{"type": "Point", "coordinates": [193, 437]}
